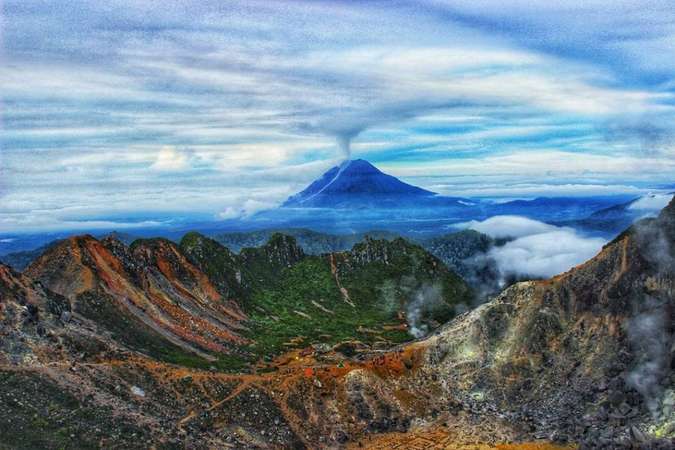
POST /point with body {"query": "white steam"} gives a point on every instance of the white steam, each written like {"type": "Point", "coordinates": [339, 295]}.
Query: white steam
{"type": "Point", "coordinates": [649, 338]}
{"type": "Point", "coordinates": [649, 330]}
{"type": "Point", "coordinates": [425, 299]}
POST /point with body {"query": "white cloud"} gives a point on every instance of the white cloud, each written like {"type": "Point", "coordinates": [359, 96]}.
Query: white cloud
{"type": "Point", "coordinates": [513, 189]}
{"type": "Point", "coordinates": [508, 226]}
{"type": "Point", "coordinates": [248, 208]}
{"type": "Point", "coordinates": [269, 85]}
{"type": "Point", "coordinates": [539, 250]}
{"type": "Point", "coordinates": [545, 254]}
{"type": "Point", "coordinates": [170, 159]}
{"type": "Point", "coordinates": [651, 202]}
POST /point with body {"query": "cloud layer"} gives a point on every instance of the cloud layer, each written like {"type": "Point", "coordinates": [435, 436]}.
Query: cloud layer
{"type": "Point", "coordinates": [537, 249]}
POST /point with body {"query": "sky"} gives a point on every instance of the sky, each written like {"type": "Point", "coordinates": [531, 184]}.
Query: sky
{"type": "Point", "coordinates": [125, 113]}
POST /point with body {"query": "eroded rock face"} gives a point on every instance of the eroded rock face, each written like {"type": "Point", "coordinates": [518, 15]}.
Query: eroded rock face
{"type": "Point", "coordinates": [27, 315]}
{"type": "Point", "coordinates": [149, 292]}
{"type": "Point", "coordinates": [585, 356]}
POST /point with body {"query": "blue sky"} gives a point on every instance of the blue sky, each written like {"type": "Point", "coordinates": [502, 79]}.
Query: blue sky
{"type": "Point", "coordinates": [143, 112]}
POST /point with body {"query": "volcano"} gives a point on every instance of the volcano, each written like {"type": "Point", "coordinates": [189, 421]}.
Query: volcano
{"type": "Point", "coordinates": [357, 183]}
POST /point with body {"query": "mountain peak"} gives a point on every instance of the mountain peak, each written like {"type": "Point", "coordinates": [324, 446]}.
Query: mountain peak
{"type": "Point", "coordinates": [359, 166]}
{"type": "Point", "coordinates": [355, 183]}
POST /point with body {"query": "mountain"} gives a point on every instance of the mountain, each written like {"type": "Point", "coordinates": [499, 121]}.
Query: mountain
{"type": "Point", "coordinates": [554, 209]}
{"type": "Point", "coordinates": [199, 304]}
{"type": "Point", "coordinates": [148, 295]}
{"type": "Point", "coordinates": [101, 342]}
{"type": "Point", "coordinates": [22, 259]}
{"type": "Point", "coordinates": [612, 219]}
{"type": "Point", "coordinates": [356, 183]}
{"type": "Point", "coordinates": [466, 253]}
{"type": "Point", "coordinates": [583, 359]}
{"type": "Point", "coordinates": [379, 292]}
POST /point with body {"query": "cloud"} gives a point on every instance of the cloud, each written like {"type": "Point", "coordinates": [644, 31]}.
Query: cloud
{"type": "Point", "coordinates": [508, 226]}
{"type": "Point", "coordinates": [170, 159]}
{"type": "Point", "coordinates": [246, 209]}
{"type": "Point", "coordinates": [651, 202]}
{"type": "Point", "coordinates": [539, 250]}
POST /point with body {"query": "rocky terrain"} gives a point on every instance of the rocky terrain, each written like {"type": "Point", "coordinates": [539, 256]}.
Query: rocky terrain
{"type": "Point", "coordinates": [583, 360]}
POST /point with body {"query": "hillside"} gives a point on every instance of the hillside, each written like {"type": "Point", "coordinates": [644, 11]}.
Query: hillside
{"type": "Point", "coordinates": [148, 295]}
{"type": "Point", "coordinates": [374, 293]}
{"type": "Point", "coordinates": [199, 304]}
{"type": "Point", "coordinates": [583, 358]}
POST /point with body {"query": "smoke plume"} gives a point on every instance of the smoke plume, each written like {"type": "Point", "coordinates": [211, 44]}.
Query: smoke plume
{"type": "Point", "coordinates": [344, 144]}
{"type": "Point", "coordinates": [425, 299]}
{"type": "Point", "coordinates": [650, 330]}
{"type": "Point", "coordinates": [649, 339]}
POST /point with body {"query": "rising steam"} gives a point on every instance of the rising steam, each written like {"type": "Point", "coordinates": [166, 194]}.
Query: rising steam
{"type": "Point", "coordinates": [649, 330]}
{"type": "Point", "coordinates": [425, 299]}
{"type": "Point", "coordinates": [649, 338]}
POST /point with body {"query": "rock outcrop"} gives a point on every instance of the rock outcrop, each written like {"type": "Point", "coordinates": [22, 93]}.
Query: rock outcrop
{"type": "Point", "coordinates": [145, 294]}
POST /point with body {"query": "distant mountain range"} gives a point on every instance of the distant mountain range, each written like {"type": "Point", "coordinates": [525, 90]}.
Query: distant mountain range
{"type": "Point", "coordinates": [354, 198]}
{"type": "Point", "coordinates": [612, 219]}
{"type": "Point", "coordinates": [312, 242]}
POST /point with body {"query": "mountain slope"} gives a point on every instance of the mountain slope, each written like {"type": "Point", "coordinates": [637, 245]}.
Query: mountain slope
{"type": "Point", "coordinates": [566, 355]}
{"type": "Point", "coordinates": [355, 182]}
{"type": "Point", "coordinates": [378, 292]}
{"type": "Point", "coordinates": [148, 295]}
{"type": "Point", "coordinates": [585, 357]}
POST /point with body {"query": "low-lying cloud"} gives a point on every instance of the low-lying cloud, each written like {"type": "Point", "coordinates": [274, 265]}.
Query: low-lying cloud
{"type": "Point", "coordinates": [509, 226]}
{"type": "Point", "coordinates": [651, 202]}
{"type": "Point", "coordinates": [537, 249]}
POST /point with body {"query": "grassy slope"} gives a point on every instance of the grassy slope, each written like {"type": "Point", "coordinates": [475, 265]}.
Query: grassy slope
{"type": "Point", "coordinates": [280, 313]}
{"type": "Point", "coordinates": [380, 290]}
{"type": "Point", "coordinates": [295, 305]}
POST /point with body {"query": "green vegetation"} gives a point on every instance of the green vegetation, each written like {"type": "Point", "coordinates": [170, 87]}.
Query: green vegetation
{"type": "Point", "coordinates": [383, 280]}
{"type": "Point", "coordinates": [312, 242]}
{"type": "Point", "coordinates": [294, 300]}
{"type": "Point", "coordinates": [217, 262]}
{"type": "Point", "coordinates": [307, 303]}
